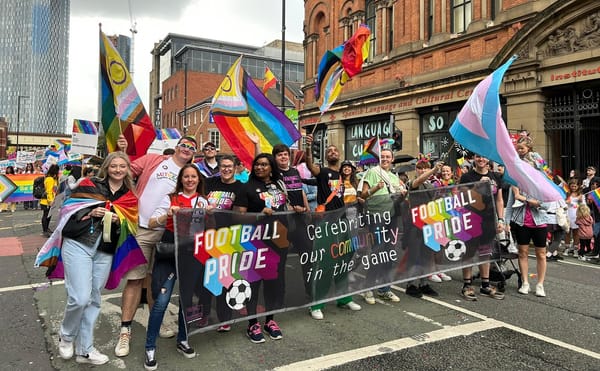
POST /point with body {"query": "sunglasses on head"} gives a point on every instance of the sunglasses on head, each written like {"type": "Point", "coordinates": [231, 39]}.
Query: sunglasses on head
{"type": "Point", "coordinates": [208, 148]}
{"type": "Point", "coordinates": [189, 147]}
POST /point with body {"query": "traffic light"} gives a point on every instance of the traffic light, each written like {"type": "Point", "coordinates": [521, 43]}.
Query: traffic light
{"type": "Point", "coordinates": [397, 137]}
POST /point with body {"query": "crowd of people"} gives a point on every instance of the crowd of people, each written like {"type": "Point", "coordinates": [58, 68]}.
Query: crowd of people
{"type": "Point", "coordinates": [284, 181]}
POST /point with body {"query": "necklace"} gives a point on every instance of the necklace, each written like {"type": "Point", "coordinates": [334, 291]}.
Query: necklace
{"type": "Point", "coordinates": [114, 189]}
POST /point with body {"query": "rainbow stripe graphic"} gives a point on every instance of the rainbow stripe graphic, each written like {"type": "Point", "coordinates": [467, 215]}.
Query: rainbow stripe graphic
{"type": "Point", "coordinates": [85, 127]}
{"type": "Point", "coordinates": [243, 251]}
{"type": "Point", "coordinates": [595, 196]}
{"type": "Point", "coordinates": [168, 133]}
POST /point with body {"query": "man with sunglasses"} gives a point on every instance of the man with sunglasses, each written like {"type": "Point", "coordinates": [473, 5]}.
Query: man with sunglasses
{"type": "Point", "coordinates": [156, 177]}
{"type": "Point", "coordinates": [209, 166]}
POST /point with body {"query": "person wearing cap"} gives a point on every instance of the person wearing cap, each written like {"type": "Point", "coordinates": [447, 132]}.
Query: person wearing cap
{"type": "Point", "coordinates": [590, 173]}
{"type": "Point", "coordinates": [209, 166]}
{"type": "Point", "coordinates": [378, 186]}
{"type": "Point", "coordinates": [156, 177]}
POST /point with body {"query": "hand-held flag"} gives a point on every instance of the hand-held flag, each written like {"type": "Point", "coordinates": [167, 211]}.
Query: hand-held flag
{"type": "Point", "coordinates": [122, 110]}
{"type": "Point", "coordinates": [479, 128]}
{"type": "Point", "coordinates": [239, 107]}
{"type": "Point", "coordinates": [269, 80]}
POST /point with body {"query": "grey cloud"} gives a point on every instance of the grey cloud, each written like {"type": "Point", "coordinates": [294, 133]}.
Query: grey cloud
{"type": "Point", "coordinates": [120, 8]}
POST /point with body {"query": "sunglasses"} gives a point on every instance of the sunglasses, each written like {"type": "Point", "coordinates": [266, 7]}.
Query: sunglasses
{"type": "Point", "coordinates": [209, 148]}
{"type": "Point", "coordinates": [189, 147]}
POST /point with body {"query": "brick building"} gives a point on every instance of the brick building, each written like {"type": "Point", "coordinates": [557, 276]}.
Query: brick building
{"type": "Point", "coordinates": [427, 56]}
{"type": "Point", "coordinates": [187, 71]}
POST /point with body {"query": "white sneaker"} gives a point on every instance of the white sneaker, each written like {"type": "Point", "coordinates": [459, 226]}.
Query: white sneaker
{"type": "Point", "coordinates": [444, 277]}
{"type": "Point", "coordinates": [434, 278]}
{"type": "Point", "coordinates": [524, 289]}
{"type": "Point", "coordinates": [65, 348]}
{"type": "Point", "coordinates": [352, 306]}
{"type": "Point", "coordinates": [122, 348]}
{"type": "Point", "coordinates": [165, 331]}
{"type": "Point", "coordinates": [316, 314]}
{"type": "Point", "coordinates": [539, 290]}
{"type": "Point", "coordinates": [369, 298]}
{"type": "Point", "coordinates": [388, 295]}
{"type": "Point", "coordinates": [94, 357]}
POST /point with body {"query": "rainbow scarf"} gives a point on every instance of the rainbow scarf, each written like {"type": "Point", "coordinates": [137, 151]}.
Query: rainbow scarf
{"type": "Point", "coordinates": [128, 254]}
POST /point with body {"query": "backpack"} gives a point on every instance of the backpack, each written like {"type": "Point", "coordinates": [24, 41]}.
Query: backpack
{"type": "Point", "coordinates": [39, 188]}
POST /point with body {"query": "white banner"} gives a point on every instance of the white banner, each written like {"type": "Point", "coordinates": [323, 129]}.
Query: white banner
{"type": "Point", "coordinates": [85, 144]}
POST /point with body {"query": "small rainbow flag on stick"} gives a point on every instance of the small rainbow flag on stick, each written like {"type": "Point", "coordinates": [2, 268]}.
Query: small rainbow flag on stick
{"type": "Point", "coordinates": [595, 196]}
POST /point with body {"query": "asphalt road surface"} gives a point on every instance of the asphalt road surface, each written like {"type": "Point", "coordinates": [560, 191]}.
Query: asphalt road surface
{"type": "Point", "coordinates": [559, 332]}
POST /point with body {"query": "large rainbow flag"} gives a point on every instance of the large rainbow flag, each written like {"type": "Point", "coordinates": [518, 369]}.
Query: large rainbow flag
{"type": "Point", "coordinates": [122, 110]}
{"type": "Point", "coordinates": [239, 107]}
{"type": "Point", "coordinates": [128, 254]}
{"type": "Point", "coordinates": [479, 127]}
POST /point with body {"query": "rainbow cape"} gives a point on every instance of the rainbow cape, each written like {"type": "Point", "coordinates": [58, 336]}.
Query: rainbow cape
{"type": "Point", "coordinates": [128, 254]}
{"type": "Point", "coordinates": [240, 107]}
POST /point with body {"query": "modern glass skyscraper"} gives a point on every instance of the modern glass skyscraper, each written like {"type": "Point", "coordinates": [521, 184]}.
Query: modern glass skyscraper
{"type": "Point", "coordinates": [34, 53]}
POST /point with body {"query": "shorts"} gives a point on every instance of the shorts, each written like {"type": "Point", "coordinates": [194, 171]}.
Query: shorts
{"type": "Point", "coordinates": [524, 235]}
{"type": "Point", "coordinates": [147, 239]}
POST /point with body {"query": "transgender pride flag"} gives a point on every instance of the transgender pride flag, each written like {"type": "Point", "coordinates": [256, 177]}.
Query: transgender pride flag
{"type": "Point", "coordinates": [480, 129]}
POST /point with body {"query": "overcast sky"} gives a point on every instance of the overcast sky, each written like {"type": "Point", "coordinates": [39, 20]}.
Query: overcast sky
{"type": "Point", "coordinates": [250, 22]}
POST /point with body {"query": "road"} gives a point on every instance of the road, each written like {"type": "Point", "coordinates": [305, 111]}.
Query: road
{"type": "Point", "coordinates": [559, 332]}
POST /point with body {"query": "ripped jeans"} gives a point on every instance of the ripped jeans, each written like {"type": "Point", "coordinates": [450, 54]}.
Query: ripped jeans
{"type": "Point", "coordinates": [161, 291]}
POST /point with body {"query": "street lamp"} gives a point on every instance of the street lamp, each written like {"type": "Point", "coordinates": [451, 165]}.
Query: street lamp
{"type": "Point", "coordinates": [19, 118]}
{"type": "Point", "coordinates": [185, 75]}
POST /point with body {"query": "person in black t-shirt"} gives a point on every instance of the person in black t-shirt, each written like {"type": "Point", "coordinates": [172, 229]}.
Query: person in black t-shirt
{"type": "Point", "coordinates": [481, 172]}
{"type": "Point", "coordinates": [265, 193]}
{"type": "Point", "coordinates": [329, 182]}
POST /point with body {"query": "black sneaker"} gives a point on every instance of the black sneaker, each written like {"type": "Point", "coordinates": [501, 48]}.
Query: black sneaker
{"type": "Point", "coordinates": [255, 333]}
{"type": "Point", "coordinates": [273, 330]}
{"type": "Point", "coordinates": [184, 348]}
{"type": "Point", "coordinates": [150, 361]}
{"type": "Point", "coordinates": [414, 291]}
{"type": "Point", "coordinates": [427, 290]}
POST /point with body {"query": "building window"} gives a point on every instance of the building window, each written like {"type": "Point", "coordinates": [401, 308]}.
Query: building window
{"type": "Point", "coordinates": [430, 20]}
{"type": "Point", "coordinates": [461, 15]}
{"type": "Point", "coordinates": [390, 24]}
{"type": "Point", "coordinates": [215, 137]}
{"type": "Point", "coordinates": [496, 7]}
{"type": "Point", "coordinates": [371, 20]}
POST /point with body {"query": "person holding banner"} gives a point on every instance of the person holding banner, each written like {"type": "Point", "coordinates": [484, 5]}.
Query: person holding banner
{"type": "Point", "coordinates": [265, 193]}
{"type": "Point", "coordinates": [156, 177]}
{"type": "Point", "coordinates": [6, 206]}
{"type": "Point", "coordinates": [330, 193]}
{"type": "Point", "coordinates": [382, 189]}
{"type": "Point", "coordinates": [481, 172]}
{"type": "Point", "coordinates": [189, 193]}
{"type": "Point", "coordinates": [87, 259]}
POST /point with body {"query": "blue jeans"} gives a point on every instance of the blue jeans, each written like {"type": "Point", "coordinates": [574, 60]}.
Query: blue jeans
{"type": "Point", "coordinates": [86, 272]}
{"type": "Point", "coordinates": [161, 302]}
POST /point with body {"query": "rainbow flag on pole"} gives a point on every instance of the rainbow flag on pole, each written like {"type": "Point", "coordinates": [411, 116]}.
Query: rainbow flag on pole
{"type": "Point", "coordinates": [240, 107]}
{"type": "Point", "coordinates": [595, 196]}
{"type": "Point", "coordinates": [121, 107]}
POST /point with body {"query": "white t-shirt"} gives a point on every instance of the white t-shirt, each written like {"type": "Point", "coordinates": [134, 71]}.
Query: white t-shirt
{"type": "Point", "coordinates": [161, 183]}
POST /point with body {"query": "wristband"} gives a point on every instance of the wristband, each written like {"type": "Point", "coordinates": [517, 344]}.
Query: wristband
{"type": "Point", "coordinates": [158, 221]}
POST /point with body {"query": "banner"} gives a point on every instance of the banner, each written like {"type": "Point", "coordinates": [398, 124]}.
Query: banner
{"type": "Point", "coordinates": [233, 266]}
{"type": "Point", "coordinates": [21, 186]}
{"type": "Point", "coordinates": [84, 137]}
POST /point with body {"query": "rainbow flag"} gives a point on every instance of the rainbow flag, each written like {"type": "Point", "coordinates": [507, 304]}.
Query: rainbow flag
{"type": "Point", "coordinates": [128, 254]}
{"type": "Point", "coordinates": [335, 78]}
{"type": "Point", "coordinates": [595, 196]}
{"type": "Point", "coordinates": [21, 186]}
{"type": "Point", "coordinates": [371, 152]}
{"type": "Point", "coordinates": [356, 51]}
{"type": "Point", "coordinates": [479, 128]}
{"type": "Point", "coordinates": [269, 80]}
{"type": "Point", "coordinates": [122, 110]}
{"type": "Point", "coordinates": [168, 133]}
{"type": "Point", "coordinates": [327, 63]}
{"type": "Point", "coordinates": [240, 107]}
{"type": "Point", "coordinates": [85, 127]}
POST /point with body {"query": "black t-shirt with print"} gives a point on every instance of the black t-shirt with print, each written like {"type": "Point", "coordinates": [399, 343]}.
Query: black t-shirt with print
{"type": "Point", "coordinates": [293, 183]}
{"type": "Point", "coordinates": [328, 181]}
{"type": "Point", "coordinates": [221, 195]}
{"type": "Point", "coordinates": [256, 195]}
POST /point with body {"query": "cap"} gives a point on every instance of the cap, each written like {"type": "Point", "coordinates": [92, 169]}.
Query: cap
{"type": "Point", "coordinates": [211, 144]}
{"type": "Point", "coordinates": [348, 163]}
